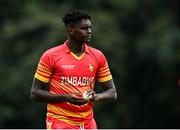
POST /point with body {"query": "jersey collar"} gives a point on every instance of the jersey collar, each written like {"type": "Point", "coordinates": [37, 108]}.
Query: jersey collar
{"type": "Point", "coordinates": [67, 50]}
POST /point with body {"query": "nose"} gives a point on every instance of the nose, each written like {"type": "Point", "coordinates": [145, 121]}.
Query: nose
{"type": "Point", "coordinates": [89, 31]}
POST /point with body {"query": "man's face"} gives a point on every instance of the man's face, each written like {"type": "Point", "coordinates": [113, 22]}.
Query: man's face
{"type": "Point", "coordinates": [81, 31]}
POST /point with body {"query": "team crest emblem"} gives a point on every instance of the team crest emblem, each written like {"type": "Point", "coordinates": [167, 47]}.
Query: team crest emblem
{"type": "Point", "coordinates": [91, 68]}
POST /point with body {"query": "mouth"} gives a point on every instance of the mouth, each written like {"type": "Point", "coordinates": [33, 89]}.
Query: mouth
{"type": "Point", "coordinates": [88, 37]}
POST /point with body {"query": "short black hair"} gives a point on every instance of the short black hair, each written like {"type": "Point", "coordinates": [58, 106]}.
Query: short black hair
{"type": "Point", "coordinates": [74, 16]}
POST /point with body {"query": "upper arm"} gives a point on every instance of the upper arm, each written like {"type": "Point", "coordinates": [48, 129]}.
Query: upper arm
{"type": "Point", "coordinates": [45, 67]}
{"type": "Point", "coordinates": [110, 93]}
{"type": "Point", "coordinates": [38, 88]}
{"type": "Point", "coordinates": [103, 73]}
{"type": "Point", "coordinates": [38, 84]}
{"type": "Point", "coordinates": [104, 76]}
{"type": "Point", "coordinates": [43, 72]}
{"type": "Point", "coordinates": [107, 85]}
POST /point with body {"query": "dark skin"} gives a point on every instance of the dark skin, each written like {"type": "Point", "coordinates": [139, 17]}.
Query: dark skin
{"type": "Point", "coordinates": [78, 34]}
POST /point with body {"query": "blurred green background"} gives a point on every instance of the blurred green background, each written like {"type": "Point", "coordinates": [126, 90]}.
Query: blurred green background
{"type": "Point", "coordinates": [140, 38]}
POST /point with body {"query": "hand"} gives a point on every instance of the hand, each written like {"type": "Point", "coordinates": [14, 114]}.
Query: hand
{"type": "Point", "coordinates": [94, 97]}
{"type": "Point", "coordinates": [75, 99]}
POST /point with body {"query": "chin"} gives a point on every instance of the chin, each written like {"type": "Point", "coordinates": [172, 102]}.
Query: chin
{"type": "Point", "coordinates": [87, 41]}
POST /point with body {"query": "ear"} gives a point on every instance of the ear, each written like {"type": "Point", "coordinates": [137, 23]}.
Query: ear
{"type": "Point", "coordinates": [71, 31]}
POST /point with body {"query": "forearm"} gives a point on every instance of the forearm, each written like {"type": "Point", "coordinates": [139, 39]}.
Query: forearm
{"type": "Point", "coordinates": [45, 96]}
{"type": "Point", "coordinates": [109, 95]}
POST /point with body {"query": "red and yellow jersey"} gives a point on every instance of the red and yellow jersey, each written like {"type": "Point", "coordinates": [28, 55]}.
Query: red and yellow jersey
{"type": "Point", "coordinates": [67, 73]}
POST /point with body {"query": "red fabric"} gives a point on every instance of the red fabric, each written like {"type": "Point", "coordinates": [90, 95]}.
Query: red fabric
{"type": "Point", "coordinates": [67, 73]}
{"type": "Point", "coordinates": [56, 124]}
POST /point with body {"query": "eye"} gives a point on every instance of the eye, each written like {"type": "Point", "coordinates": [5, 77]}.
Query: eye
{"type": "Point", "coordinates": [86, 27]}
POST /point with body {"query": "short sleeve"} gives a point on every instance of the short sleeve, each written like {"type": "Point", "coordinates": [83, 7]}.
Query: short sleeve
{"type": "Point", "coordinates": [103, 73]}
{"type": "Point", "coordinates": [44, 69]}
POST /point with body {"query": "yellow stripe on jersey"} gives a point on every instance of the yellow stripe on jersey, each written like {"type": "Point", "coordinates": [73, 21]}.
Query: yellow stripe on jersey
{"type": "Point", "coordinates": [43, 64]}
{"type": "Point", "coordinates": [104, 79]}
{"type": "Point", "coordinates": [43, 74]}
{"type": "Point", "coordinates": [43, 70]}
{"type": "Point", "coordinates": [49, 125]}
{"type": "Point", "coordinates": [64, 112]}
{"type": "Point", "coordinates": [41, 78]}
{"type": "Point", "coordinates": [67, 88]}
{"type": "Point", "coordinates": [103, 67]}
{"type": "Point", "coordinates": [64, 119]}
{"type": "Point", "coordinates": [77, 57]}
{"type": "Point", "coordinates": [104, 74]}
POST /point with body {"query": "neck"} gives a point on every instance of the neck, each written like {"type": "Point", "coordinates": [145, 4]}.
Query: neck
{"type": "Point", "coordinates": [76, 47]}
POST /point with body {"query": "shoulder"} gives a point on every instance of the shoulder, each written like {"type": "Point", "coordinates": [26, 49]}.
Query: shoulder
{"type": "Point", "coordinates": [52, 51]}
{"type": "Point", "coordinates": [96, 52]}
{"type": "Point", "coordinates": [97, 55]}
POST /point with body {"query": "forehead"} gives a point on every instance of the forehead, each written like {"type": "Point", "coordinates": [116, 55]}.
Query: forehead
{"type": "Point", "coordinates": [84, 22]}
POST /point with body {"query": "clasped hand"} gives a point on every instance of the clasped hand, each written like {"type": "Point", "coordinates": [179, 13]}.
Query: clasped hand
{"type": "Point", "coordinates": [77, 99]}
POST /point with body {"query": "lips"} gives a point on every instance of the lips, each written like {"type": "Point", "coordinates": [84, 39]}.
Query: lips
{"type": "Point", "coordinates": [87, 39]}
{"type": "Point", "coordinates": [88, 36]}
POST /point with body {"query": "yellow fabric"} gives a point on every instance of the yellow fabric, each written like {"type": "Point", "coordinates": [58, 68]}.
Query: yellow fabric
{"type": "Point", "coordinates": [41, 78]}
{"type": "Point", "coordinates": [105, 79]}
{"type": "Point", "coordinates": [49, 125]}
{"type": "Point", "coordinates": [64, 119]}
{"type": "Point", "coordinates": [65, 112]}
{"type": "Point", "coordinates": [77, 57]}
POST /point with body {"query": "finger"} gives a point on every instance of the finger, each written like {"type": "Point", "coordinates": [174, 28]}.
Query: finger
{"type": "Point", "coordinates": [91, 92]}
{"type": "Point", "coordinates": [94, 96]}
